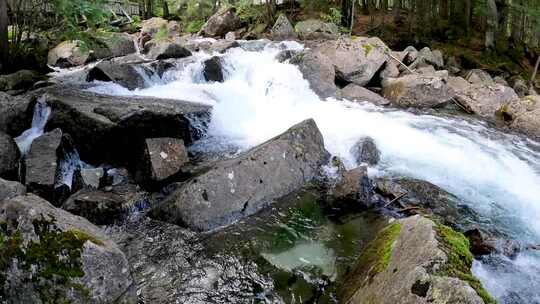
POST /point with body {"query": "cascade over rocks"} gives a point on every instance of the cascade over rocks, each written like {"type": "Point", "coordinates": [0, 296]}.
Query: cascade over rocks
{"type": "Point", "coordinates": [355, 60]}
{"type": "Point", "coordinates": [125, 75]}
{"type": "Point", "coordinates": [107, 128]}
{"type": "Point", "coordinates": [410, 258]}
{"type": "Point", "coordinates": [9, 157]}
{"type": "Point", "coordinates": [163, 49]}
{"type": "Point", "coordinates": [221, 23]}
{"type": "Point", "coordinates": [283, 29]}
{"type": "Point", "coordinates": [213, 69]}
{"type": "Point", "coordinates": [9, 189]}
{"type": "Point", "coordinates": [417, 90]}
{"type": "Point", "coordinates": [355, 92]}
{"type": "Point", "coordinates": [159, 159]}
{"type": "Point", "coordinates": [318, 71]}
{"type": "Point", "coordinates": [54, 254]}
{"type": "Point", "coordinates": [235, 188]}
{"type": "Point", "coordinates": [314, 29]}
{"type": "Point", "coordinates": [485, 100]}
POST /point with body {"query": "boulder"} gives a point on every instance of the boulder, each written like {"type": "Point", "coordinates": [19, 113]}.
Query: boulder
{"type": "Point", "coordinates": [9, 189]}
{"type": "Point", "coordinates": [318, 71]}
{"type": "Point", "coordinates": [230, 36]}
{"type": "Point", "coordinates": [213, 70]}
{"type": "Point", "coordinates": [355, 92]}
{"type": "Point", "coordinates": [356, 60]}
{"type": "Point", "coordinates": [9, 157]}
{"type": "Point", "coordinates": [452, 65]}
{"type": "Point", "coordinates": [416, 90]}
{"type": "Point", "coordinates": [125, 75]}
{"type": "Point", "coordinates": [354, 191]}
{"type": "Point", "coordinates": [500, 80]}
{"type": "Point", "coordinates": [68, 54]}
{"type": "Point", "coordinates": [105, 206]}
{"type": "Point", "coordinates": [115, 45]}
{"type": "Point", "coordinates": [485, 100]}
{"type": "Point", "coordinates": [221, 23]}
{"type": "Point", "coordinates": [20, 81]}
{"type": "Point", "coordinates": [152, 26]}
{"type": "Point", "coordinates": [313, 29]}
{"type": "Point", "coordinates": [414, 260]}
{"type": "Point", "coordinates": [481, 243]}
{"type": "Point", "coordinates": [458, 84]}
{"type": "Point", "coordinates": [365, 151]}
{"type": "Point", "coordinates": [286, 55]}
{"type": "Point", "coordinates": [52, 254]}
{"type": "Point", "coordinates": [283, 29]}
{"type": "Point", "coordinates": [15, 114]}
{"type": "Point", "coordinates": [221, 46]}
{"type": "Point", "coordinates": [428, 57]}
{"type": "Point", "coordinates": [477, 76]}
{"type": "Point", "coordinates": [160, 159]}
{"type": "Point", "coordinates": [523, 115]}
{"type": "Point", "coordinates": [520, 86]}
{"type": "Point", "coordinates": [391, 70]}
{"type": "Point", "coordinates": [163, 49]}
{"type": "Point", "coordinates": [238, 187]}
{"type": "Point", "coordinates": [91, 178]}
{"type": "Point", "coordinates": [106, 129]}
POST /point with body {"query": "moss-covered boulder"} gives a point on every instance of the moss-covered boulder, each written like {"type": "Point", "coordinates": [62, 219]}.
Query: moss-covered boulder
{"type": "Point", "coordinates": [48, 255]}
{"type": "Point", "coordinates": [414, 260]}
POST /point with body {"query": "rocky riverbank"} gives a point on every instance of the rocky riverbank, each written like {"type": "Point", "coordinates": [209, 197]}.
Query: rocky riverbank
{"type": "Point", "coordinates": [110, 199]}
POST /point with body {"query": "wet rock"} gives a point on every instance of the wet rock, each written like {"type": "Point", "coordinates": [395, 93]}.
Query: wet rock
{"type": "Point", "coordinates": [221, 23]}
{"type": "Point", "coordinates": [162, 49]}
{"type": "Point", "coordinates": [213, 70]}
{"type": "Point", "coordinates": [316, 29]}
{"type": "Point", "coordinates": [416, 90]}
{"type": "Point", "coordinates": [481, 243]}
{"type": "Point", "coordinates": [106, 129]}
{"type": "Point", "coordinates": [365, 151]}
{"type": "Point", "coordinates": [88, 178]}
{"type": "Point", "coordinates": [125, 75]}
{"type": "Point", "coordinates": [9, 189]}
{"type": "Point", "coordinates": [318, 71]}
{"type": "Point", "coordinates": [283, 29]}
{"type": "Point", "coordinates": [9, 157]}
{"type": "Point", "coordinates": [221, 46]}
{"type": "Point", "coordinates": [105, 206]}
{"type": "Point", "coordinates": [20, 80]}
{"type": "Point", "coordinates": [238, 187]}
{"type": "Point", "coordinates": [414, 259]}
{"type": "Point", "coordinates": [230, 36]}
{"type": "Point", "coordinates": [523, 115]}
{"type": "Point", "coordinates": [68, 54]}
{"type": "Point", "coordinates": [160, 159]}
{"type": "Point", "coordinates": [477, 76]}
{"type": "Point", "coordinates": [355, 92]}
{"type": "Point", "coordinates": [15, 114]}
{"type": "Point", "coordinates": [355, 60]}
{"type": "Point", "coordinates": [286, 55]}
{"type": "Point", "coordinates": [485, 100]}
{"type": "Point", "coordinates": [353, 191]}
{"type": "Point", "coordinates": [56, 255]}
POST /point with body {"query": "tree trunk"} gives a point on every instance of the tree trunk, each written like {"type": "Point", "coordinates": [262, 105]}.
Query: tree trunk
{"type": "Point", "coordinates": [346, 6]}
{"type": "Point", "coordinates": [4, 43]}
{"type": "Point", "coordinates": [492, 23]}
{"type": "Point", "coordinates": [533, 77]}
{"type": "Point", "coordinates": [149, 9]}
{"type": "Point", "coordinates": [165, 9]}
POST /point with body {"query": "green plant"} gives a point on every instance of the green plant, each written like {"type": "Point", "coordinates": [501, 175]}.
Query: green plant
{"type": "Point", "coordinates": [194, 26]}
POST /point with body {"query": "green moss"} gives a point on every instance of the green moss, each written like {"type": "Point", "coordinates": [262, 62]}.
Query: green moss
{"type": "Point", "coordinates": [376, 256]}
{"type": "Point", "coordinates": [460, 259]}
{"type": "Point", "coordinates": [162, 34]}
{"type": "Point", "coordinates": [53, 261]}
{"type": "Point", "coordinates": [194, 26]}
{"type": "Point", "coordinates": [367, 48]}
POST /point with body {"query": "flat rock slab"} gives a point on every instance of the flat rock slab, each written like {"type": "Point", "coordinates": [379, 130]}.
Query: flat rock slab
{"type": "Point", "coordinates": [161, 158]}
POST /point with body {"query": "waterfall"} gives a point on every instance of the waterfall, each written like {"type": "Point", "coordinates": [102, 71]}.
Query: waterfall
{"type": "Point", "coordinates": [496, 174]}
{"type": "Point", "coordinates": [42, 111]}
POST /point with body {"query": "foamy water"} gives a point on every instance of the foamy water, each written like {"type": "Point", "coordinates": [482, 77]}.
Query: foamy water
{"type": "Point", "coordinates": [497, 174]}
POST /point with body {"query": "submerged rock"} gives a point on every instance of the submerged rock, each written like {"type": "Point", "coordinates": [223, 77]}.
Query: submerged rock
{"type": "Point", "coordinates": [419, 262]}
{"type": "Point", "coordinates": [108, 128]}
{"type": "Point", "coordinates": [213, 69]}
{"type": "Point", "coordinates": [238, 187]}
{"type": "Point", "coordinates": [9, 157]}
{"type": "Point", "coordinates": [125, 74]}
{"type": "Point", "coordinates": [160, 158]}
{"type": "Point", "coordinates": [365, 151]}
{"type": "Point", "coordinates": [318, 71]}
{"type": "Point", "coordinates": [49, 253]}
{"type": "Point", "coordinates": [355, 60]}
{"type": "Point", "coordinates": [221, 23]}
{"type": "Point", "coordinates": [416, 90]}
{"type": "Point", "coordinates": [9, 189]}
{"type": "Point", "coordinates": [485, 100]}
{"type": "Point", "coordinates": [316, 29]}
{"type": "Point", "coordinates": [354, 92]}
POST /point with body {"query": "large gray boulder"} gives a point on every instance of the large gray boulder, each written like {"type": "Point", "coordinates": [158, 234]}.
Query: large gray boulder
{"type": "Point", "coordinates": [15, 114]}
{"type": "Point", "coordinates": [523, 115]}
{"type": "Point", "coordinates": [213, 69]}
{"type": "Point", "coordinates": [238, 187]}
{"type": "Point", "coordinates": [417, 90]}
{"type": "Point", "coordinates": [356, 60]}
{"type": "Point", "coordinates": [283, 29]}
{"type": "Point", "coordinates": [19, 81]}
{"type": "Point", "coordinates": [9, 157]}
{"type": "Point", "coordinates": [68, 54]}
{"type": "Point", "coordinates": [485, 100]}
{"type": "Point", "coordinates": [428, 57]}
{"type": "Point", "coordinates": [354, 92]}
{"type": "Point", "coordinates": [108, 128]}
{"type": "Point", "coordinates": [316, 29]}
{"type": "Point", "coordinates": [221, 23]}
{"type": "Point", "coordinates": [414, 260]}
{"type": "Point", "coordinates": [123, 74]}
{"type": "Point", "coordinates": [160, 158]}
{"type": "Point", "coordinates": [48, 254]}
{"type": "Point", "coordinates": [318, 71]}
{"type": "Point", "coordinates": [164, 49]}
{"type": "Point", "coordinates": [114, 45]}
{"type": "Point", "coordinates": [354, 191]}
{"type": "Point", "coordinates": [478, 76]}
{"type": "Point", "coordinates": [9, 189]}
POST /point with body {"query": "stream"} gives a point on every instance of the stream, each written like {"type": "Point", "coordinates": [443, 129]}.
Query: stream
{"type": "Point", "coordinates": [495, 173]}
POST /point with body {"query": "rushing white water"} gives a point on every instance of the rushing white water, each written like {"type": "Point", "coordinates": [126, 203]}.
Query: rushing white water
{"type": "Point", "coordinates": [497, 174]}
{"type": "Point", "coordinates": [39, 120]}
